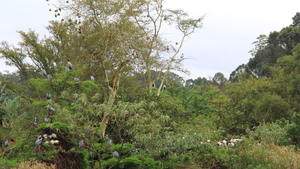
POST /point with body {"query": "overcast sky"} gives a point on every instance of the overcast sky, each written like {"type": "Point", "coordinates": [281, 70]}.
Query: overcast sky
{"type": "Point", "coordinates": [229, 28]}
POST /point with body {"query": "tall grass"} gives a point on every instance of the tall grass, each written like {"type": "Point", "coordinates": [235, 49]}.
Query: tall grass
{"type": "Point", "coordinates": [269, 156]}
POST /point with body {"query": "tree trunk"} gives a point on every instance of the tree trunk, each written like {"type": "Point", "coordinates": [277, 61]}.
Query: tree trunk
{"type": "Point", "coordinates": [107, 113]}
{"type": "Point", "coordinates": [112, 86]}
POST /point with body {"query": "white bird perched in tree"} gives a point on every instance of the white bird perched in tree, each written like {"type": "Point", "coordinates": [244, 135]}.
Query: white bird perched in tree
{"type": "Point", "coordinates": [224, 142]}
{"type": "Point", "coordinates": [52, 141]}
{"type": "Point", "coordinates": [56, 142]}
{"type": "Point", "coordinates": [109, 141]}
{"type": "Point", "coordinates": [92, 78]}
{"type": "Point", "coordinates": [230, 144]}
{"type": "Point", "coordinates": [70, 66]}
{"type": "Point", "coordinates": [235, 140]}
{"type": "Point", "coordinates": [50, 108]}
{"type": "Point", "coordinates": [164, 87]}
{"type": "Point", "coordinates": [76, 79]}
{"type": "Point", "coordinates": [53, 135]}
{"type": "Point", "coordinates": [50, 77]}
{"type": "Point", "coordinates": [137, 151]}
{"type": "Point", "coordinates": [6, 143]}
{"type": "Point", "coordinates": [36, 120]}
{"type": "Point", "coordinates": [45, 136]}
{"type": "Point", "coordinates": [47, 119]}
{"type": "Point", "coordinates": [38, 141]}
{"type": "Point", "coordinates": [80, 144]}
{"type": "Point", "coordinates": [48, 96]}
{"type": "Point", "coordinates": [116, 154]}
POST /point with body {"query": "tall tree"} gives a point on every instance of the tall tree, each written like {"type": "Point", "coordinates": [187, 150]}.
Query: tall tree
{"type": "Point", "coordinates": [219, 80]}
{"type": "Point", "coordinates": [156, 53]}
{"type": "Point", "coordinates": [113, 39]}
{"type": "Point", "coordinates": [268, 49]}
{"type": "Point", "coordinates": [286, 77]}
{"type": "Point", "coordinates": [296, 19]}
{"type": "Point", "coordinates": [266, 56]}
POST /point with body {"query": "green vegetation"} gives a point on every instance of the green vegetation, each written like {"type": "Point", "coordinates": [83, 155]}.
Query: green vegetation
{"type": "Point", "coordinates": [125, 117]}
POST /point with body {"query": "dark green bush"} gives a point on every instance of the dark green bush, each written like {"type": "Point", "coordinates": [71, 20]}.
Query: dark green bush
{"type": "Point", "coordinates": [109, 163]}
{"type": "Point", "coordinates": [149, 163]}
{"type": "Point", "coordinates": [294, 129]}
{"type": "Point", "coordinates": [5, 163]}
{"type": "Point", "coordinates": [130, 162]}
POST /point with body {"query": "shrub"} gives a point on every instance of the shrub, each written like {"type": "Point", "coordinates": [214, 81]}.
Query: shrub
{"type": "Point", "coordinates": [149, 163]}
{"type": "Point", "coordinates": [294, 129]}
{"type": "Point", "coordinates": [109, 163]}
{"type": "Point", "coordinates": [130, 162]}
{"type": "Point", "coordinates": [8, 163]}
{"type": "Point", "coordinates": [270, 133]}
{"type": "Point", "coordinates": [268, 156]}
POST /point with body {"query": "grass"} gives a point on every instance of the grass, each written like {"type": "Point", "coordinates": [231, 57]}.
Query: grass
{"type": "Point", "coordinates": [268, 156]}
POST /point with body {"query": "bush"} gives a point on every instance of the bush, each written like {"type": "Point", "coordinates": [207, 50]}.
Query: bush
{"type": "Point", "coordinates": [130, 162]}
{"type": "Point", "coordinates": [109, 163]}
{"type": "Point", "coordinates": [269, 156]}
{"type": "Point", "coordinates": [271, 133]}
{"type": "Point", "coordinates": [294, 129]}
{"type": "Point", "coordinates": [8, 163]}
{"type": "Point", "coordinates": [149, 163]}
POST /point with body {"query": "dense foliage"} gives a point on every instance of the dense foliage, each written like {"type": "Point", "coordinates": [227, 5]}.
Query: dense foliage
{"type": "Point", "coordinates": [102, 92]}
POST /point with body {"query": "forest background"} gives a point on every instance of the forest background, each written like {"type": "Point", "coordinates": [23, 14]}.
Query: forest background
{"type": "Point", "coordinates": [107, 81]}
